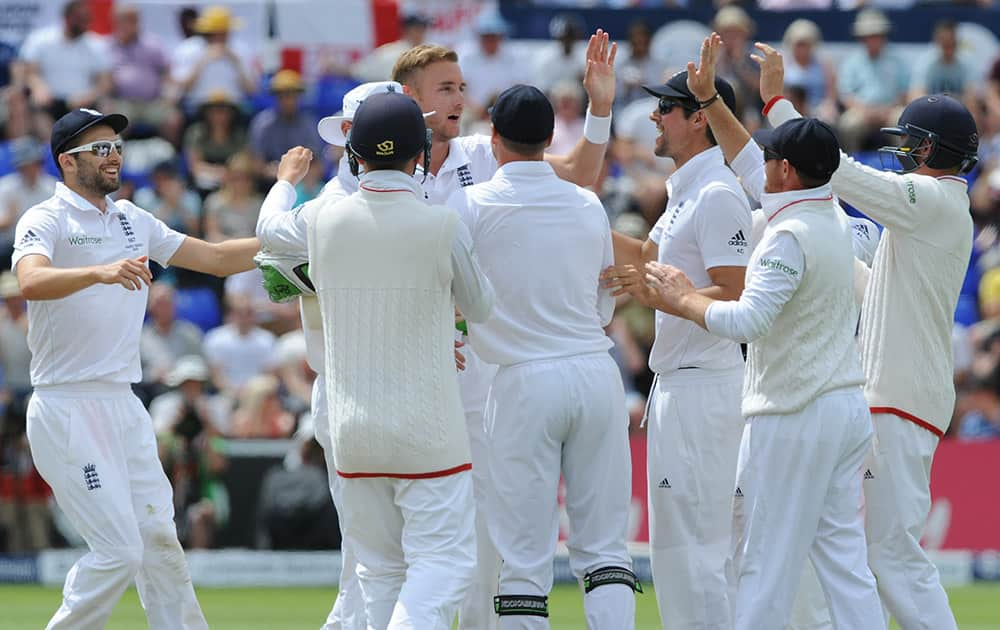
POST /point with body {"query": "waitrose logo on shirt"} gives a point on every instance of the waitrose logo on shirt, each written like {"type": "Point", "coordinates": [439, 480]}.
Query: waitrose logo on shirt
{"type": "Point", "coordinates": [84, 240]}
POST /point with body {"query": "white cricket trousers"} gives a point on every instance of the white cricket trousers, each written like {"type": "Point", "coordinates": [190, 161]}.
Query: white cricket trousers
{"type": "Point", "coordinates": [802, 487]}
{"type": "Point", "coordinates": [348, 612]}
{"type": "Point", "coordinates": [93, 443]}
{"type": "Point", "coordinates": [416, 547]}
{"type": "Point", "coordinates": [692, 445]}
{"type": "Point", "coordinates": [476, 610]}
{"type": "Point", "coordinates": [542, 418]}
{"type": "Point", "coordinates": [897, 501]}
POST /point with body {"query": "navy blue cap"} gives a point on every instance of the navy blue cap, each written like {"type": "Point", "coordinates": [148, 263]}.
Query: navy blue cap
{"type": "Point", "coordinates": [79, 120]}
{"type": "Point", "coordinates": [810, 145]}
{"type": "Point", "coordinates": [523, 113]}
{"type": "Point", "coordinates": [388, 127]}
{"type": "Point", "coordinates": [676, 88]}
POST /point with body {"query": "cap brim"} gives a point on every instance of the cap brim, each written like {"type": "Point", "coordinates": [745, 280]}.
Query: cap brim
{"type": "Point", "coordinates": [331, 133]}
{"type": "Point", "coordinates": [329, 130]}
{"type": "Point", "coordinates": [668, 91]}
{"type": "Point", "coordinates": [764, 137]}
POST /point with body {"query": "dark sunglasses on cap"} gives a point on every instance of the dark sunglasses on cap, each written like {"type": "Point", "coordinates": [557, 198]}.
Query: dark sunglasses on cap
{"type": "Point", "coordinates": [100, 148]}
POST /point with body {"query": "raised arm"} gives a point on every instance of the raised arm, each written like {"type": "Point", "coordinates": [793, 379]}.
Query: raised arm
{"type": "Point", "coordinates": [278, 229]}
{"type": "Point", "coordinates": [582, 165]}
{"type": "Point", "coordinates": [731, 135]}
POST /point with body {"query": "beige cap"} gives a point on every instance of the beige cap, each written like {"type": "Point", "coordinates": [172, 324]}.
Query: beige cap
{"type": "Point", "coordinates": [871, 22]}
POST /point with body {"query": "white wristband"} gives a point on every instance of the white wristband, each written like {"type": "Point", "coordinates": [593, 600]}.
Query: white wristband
{"type": "Point", "coordinates": [597, 129]}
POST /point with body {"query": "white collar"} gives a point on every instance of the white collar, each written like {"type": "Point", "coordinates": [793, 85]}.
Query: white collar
{"type": "Point", "coordinates": [774, 203]}
{"type": "Point", "coordinates": [692, 169]}
{"type": "Point", "coordinates": [75, 200]}
{"type": "Point", "coordinates": [526, 167]}
{"type": "Point", "coordinates": [387, 181]}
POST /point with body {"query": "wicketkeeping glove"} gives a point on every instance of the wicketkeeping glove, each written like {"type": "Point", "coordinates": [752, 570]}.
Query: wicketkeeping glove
{"type": "Point", "coordinates": [285, 277]}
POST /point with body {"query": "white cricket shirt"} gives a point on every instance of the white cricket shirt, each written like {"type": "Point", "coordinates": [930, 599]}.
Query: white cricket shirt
{"type": "Point", "coordinates": [93, 334]}
{"type": "Point", "coordinates": [706, 224]}
{"type": "Point", "coordinates": [542, 242]}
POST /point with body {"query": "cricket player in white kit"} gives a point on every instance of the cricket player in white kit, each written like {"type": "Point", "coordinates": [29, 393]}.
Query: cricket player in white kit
{"type": "Point", "coordinates": [557, 404]}
{"type": "Point", "coordinates": [81, 261]}
{"type": "Point", "coordinates": [389, 270]}
{"type": "Point", "coordinates": [910, 303]}
{"type": "Point", "coordinates": [694, 410]}
{"type": "Point", "coordinates": [284, 242]}
{"type": "Point", "coordinates": [809, 427]}
{"type": "Point", "coordinates": [432, 76]}
{"type": "Point", "coordinates": [747, 160]}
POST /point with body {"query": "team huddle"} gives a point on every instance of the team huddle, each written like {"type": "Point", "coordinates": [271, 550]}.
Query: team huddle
{"type": "Point", "coordinates": [786, 489]}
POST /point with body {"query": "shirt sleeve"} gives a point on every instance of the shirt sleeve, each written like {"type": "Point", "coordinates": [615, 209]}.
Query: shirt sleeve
{"type": "Point", "coordinates": [278, 229]}
{"type": "Point", "coordinates": [723, 228]}
{"type": "Point", "coordinates": [900, 202]}
{"type": "Point", "coordinates": [772, 282]}
{"type": "Point", "coordinates": [473, 291]}
{"type": "Point", "coordinates": [36, 233]}
{"type": "Point", "coordinates": [459, 202]}
{"type": "Point", "coordinates": [164, 241]}
{"type": "Point", "coordinates": [749, 167]}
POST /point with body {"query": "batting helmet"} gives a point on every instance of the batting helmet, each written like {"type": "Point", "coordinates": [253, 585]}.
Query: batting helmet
{"type": "Point", "coordinates": [945, 125]}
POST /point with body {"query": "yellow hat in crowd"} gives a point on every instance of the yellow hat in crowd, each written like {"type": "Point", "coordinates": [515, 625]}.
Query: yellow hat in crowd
{"type": "Point", "coordinates": [287, 81]}
{"type": "Point", "coordinates": [215, 20]}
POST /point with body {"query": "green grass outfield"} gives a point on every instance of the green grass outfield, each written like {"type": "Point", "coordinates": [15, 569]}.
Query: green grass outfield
{"type": "Point", "coordinates": [28, 607]}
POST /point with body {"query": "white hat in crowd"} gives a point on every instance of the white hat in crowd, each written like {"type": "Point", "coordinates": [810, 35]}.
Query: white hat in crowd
{"type": "Point", "coordinates": [871, 22]}
{"type": "Point", "coordinates": [188, 368]}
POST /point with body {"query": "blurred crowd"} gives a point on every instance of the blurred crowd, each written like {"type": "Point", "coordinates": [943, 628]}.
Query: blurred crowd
{"type": "Point", "coordinates": [208, 126]}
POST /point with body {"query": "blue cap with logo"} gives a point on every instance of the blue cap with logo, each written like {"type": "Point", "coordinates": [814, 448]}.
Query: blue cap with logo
{"type": "Point", "coordinates": [388, 127]}
{"type": "Point", "coordinates": [810, 145]}
{"type": "Point", "coordinates": [79, 120]}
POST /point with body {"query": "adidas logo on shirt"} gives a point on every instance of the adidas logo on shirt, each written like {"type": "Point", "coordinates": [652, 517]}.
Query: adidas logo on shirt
{"type": "Point", "coordinates": [739, 493]}
{"type": "Point", "coordinates": [868, 474]}
{"type": "Point", "coordinates": [664, 483]}
{"type": "Point", "coordinates": [738, 240]}
{"type": "Point", "coordinates": [29, 238]}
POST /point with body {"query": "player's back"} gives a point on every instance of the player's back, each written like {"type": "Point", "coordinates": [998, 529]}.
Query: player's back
{"type": "Point", "coordinates": [542, 242]}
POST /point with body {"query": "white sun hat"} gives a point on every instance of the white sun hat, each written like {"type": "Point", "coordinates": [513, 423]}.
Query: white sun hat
{"type": "Point", "coordinates": [330, 127]}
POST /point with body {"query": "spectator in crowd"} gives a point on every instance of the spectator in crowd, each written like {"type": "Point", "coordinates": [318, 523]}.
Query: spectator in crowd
{"type": "Point", "coordinates": [872, 83]}
{"type": "Point", "coordinates": [377, 65]}
{"type": "Point", "coordinates": [259, 411]}
{"type": "Point", "coordinates": [805, 70]}
{"type": "Point", "coordinates": [209, 63]}
{"type": "Point", "coordinates": [24, 519]}
{"type": "Point", "coordinates": [209, 142]}
{"type": "Point", "coordinates": [238, 350]}
{"type": "Point", "coordinates": [637, 67]}
{"type": "Point", "coordinates": [186, 421]}
{"type": "Point", "coordinates": [232, 210]}
{"type": "Point", "coordinates": [295, 510]}
{"type": "Point", "coordinates": [489, 67]}
{"type": "Point", "coordinates": [568, 100]}
{"type": "Point", "coordinates": [27, 185]}
{"type": "Point", "coordinates": [978, 410]}
{"type": "Point", "coordinates": [164, 338]}
{"type": "Point", "coordinates": [561, 59]}
{"type": "Point", "coordinates": [943, 71]}
{"type": "Point", "coordinates": [65, 66]}
{"type": "Point", "coordinates": [187, 22]}
{"type": "Point", "coordinates": [138, 72]}
{"type": "Point", "coordinates": [293, 372]}
{"type": "Point", "coordinates": [170, 200]}
{"type": "Point", "coordinates": [736, 28]}
{"type": "Point", "coordinates": [286, 125]}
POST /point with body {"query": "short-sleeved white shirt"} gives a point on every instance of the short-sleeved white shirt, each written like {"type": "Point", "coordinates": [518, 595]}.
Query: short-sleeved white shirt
{"type": "Point", "coordinates": [67, 66]}
{"type": "Point", "coordinates": [93, 334]}
{"type": "Point", "coordinates": [706, 224]}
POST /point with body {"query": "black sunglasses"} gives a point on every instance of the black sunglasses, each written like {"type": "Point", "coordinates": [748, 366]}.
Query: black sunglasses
{"type": "Point", "coordinates": [771, 154]}
{"type": "Point", "coordinates": [667, 105]}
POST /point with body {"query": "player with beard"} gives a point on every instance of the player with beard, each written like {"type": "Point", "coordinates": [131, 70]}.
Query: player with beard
{"type": "Point", "coordinates": [81, 261]}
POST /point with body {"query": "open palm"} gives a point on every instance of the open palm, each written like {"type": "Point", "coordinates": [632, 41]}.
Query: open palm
{"type": "Point", "coordinates": [599, 78]}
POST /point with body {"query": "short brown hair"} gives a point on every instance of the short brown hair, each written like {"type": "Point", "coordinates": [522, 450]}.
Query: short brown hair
{"type": "Point", "coordinates": [418, 58]}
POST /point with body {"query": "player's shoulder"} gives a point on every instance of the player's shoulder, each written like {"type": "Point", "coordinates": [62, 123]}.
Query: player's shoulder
{"type": "Point", "coordinates": [477, 145]}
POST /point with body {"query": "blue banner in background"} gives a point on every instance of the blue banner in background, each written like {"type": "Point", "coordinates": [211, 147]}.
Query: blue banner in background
{"type": "Point", "coordinates": [18, 569]}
